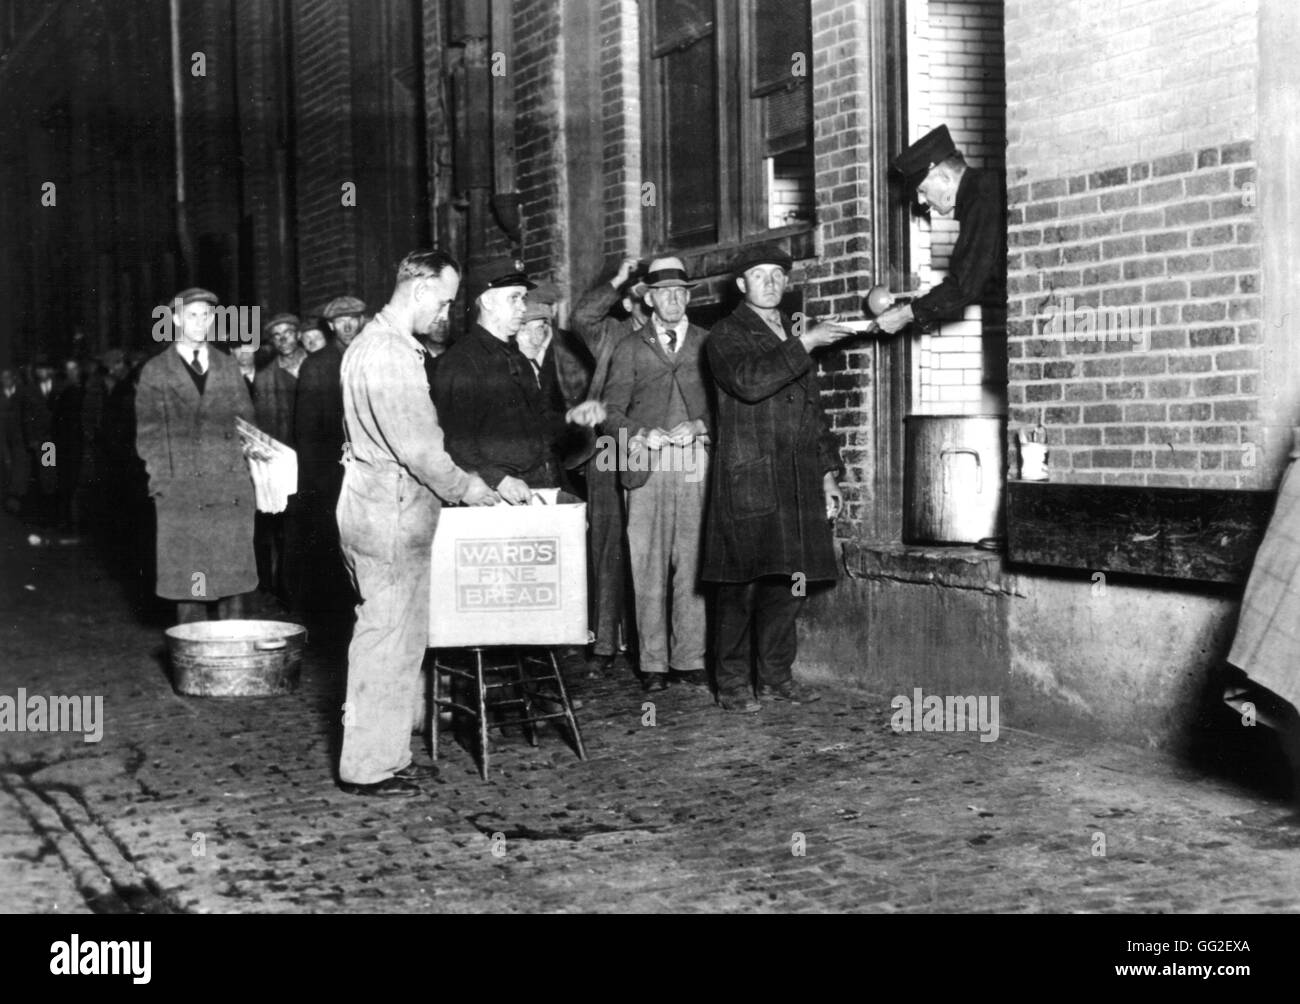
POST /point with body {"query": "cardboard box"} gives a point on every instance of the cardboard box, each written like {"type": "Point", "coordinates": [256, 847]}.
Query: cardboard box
{"type": "Point", "coordinates": [510, 575]}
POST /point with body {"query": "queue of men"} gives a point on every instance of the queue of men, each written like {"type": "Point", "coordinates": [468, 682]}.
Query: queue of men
{"type": "Point", "coordinates": [705, 457]}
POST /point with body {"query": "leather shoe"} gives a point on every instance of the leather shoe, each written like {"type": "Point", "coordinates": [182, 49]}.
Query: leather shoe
{"type": "Point", "coordinates": [652, 682]}
{"type": "Point", "coordinates": [389, 787]}
{"type": "Point", "coordinates": [738, 703]}
{"type": "Point", "coordinates": [795, 693]}
{"type": "Point", "coordinates": [689, 677]}
{"type": "Point", "coordinates": [599, 666]}
{"type": "Point", "coordinates": [417, 772]}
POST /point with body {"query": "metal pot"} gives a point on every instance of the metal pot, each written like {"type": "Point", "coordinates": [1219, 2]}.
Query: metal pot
{"type": "Point", "coordinates": [953, 467]}
{"type": "Point", "coordinates": [236, 658]}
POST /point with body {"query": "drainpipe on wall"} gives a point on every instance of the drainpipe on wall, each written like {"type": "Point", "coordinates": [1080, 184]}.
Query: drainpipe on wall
{"type": "Point", "coordinates": [178, 106]}
{"type": "Point", "coordinates": [474, 125]}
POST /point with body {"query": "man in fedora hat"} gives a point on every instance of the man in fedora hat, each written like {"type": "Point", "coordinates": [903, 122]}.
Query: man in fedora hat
{"type": "Point", "coordinates": [658, 404]}
{"type": "Point", "coordinates": [186, 405]}
{"type": "Point", "coordinates": [937, 173]}
{"type": "Point", "coordinates": [775, 471]}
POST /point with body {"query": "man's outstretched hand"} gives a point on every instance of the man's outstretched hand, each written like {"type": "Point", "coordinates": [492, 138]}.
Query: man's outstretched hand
{"type": "Point", "coordinates": [827, 332]}
{"type": "Point", "coordinates": [895, 319]}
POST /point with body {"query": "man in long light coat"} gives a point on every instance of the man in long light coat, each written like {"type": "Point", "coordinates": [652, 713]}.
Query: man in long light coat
{"type": "Point", "coordinates": [188, 398]}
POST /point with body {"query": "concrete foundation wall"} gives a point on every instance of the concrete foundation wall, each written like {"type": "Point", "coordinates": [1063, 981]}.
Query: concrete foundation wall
{"type": "Point", "coordinates": [1066, 655]}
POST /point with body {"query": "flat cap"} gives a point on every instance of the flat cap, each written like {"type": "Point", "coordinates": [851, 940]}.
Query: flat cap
{"type": "Point", "coordinates": [281, 318]}
{"type": "Point", "coordinates": [196, 294]}
{"type": "Point", "coordinates": [760, 254]}
{"type": "Point", "coordinates": [536, 310]}
{"type": "Point", "coordinates": [915, 162]}
{"type": "Point", "coordinates": [501, 273]}
{"type": "Point", "coordinates": [546, 292]}
{"type": "Point", "coordinates": [342, 306]}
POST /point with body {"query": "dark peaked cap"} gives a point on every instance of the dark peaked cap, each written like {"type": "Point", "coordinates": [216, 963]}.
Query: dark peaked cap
{"type": "Point", "coordinates": [500, 273]}
{"type": "Point", "coordinates": [915, 162]}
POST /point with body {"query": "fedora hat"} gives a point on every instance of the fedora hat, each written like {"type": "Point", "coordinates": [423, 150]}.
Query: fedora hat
{"type": "Point", "coordinates": [663, 273]}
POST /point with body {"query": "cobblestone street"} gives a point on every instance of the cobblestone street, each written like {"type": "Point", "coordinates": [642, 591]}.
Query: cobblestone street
{"type": "Point", "coordinates": [229, 805]}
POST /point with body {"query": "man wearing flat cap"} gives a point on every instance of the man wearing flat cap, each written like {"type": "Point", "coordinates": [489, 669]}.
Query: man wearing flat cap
{"type": "Point", "coordinates": [489, 398]}
{"type": "Point", "coordinates": [276, 384]}
{"type": "Point", "coordinates": [345, 315]}
{"type": "Point", "coordinates": [774, 482]}
{"type": "Point", "coordinates": [933, 168]}
{"type": "Point", "coordinates": [188, 398]}
{"type": "Point", "coordinates": [324, 593]}
{"type": "Point", "coordinates": [275, 388]}
{"type": "Point", "coordinates": [657, 397]}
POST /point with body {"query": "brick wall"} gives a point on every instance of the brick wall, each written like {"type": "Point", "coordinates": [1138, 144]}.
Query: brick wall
{"type": "Point", "coordinates": [89, 109]}
{"type": "Point", "coordinates": [621, 123]}
{"type": "Point", "coordinates": [539, 134]}
{"type": "Point", "coordinates": [257, 120]}
{"type": "Point", "coordinates": [327, 236]}
{"type": "Point", "coordinates": [836, 279]}
{"type": "Point", "coordinates": [1132, 186]}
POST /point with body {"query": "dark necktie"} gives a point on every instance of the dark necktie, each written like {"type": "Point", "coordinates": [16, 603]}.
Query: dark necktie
{"type": "Point", "coordinates": [198, 366]}
{"type": "Point", "coordinates": [671, 335]}
{"type": "Point", "coordinates": [537, 371]}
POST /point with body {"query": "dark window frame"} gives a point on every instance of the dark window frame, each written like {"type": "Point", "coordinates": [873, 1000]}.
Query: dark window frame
{"type": "Point", "coordinates": [741, 199]}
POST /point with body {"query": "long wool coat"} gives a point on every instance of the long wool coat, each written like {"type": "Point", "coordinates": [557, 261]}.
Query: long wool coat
{"type": "Point", "coordinates": [772, 449]}
{"type": "Point", "coordinates": [1268, 630]}
{"type": "Point", "coordinates": [198, 476]}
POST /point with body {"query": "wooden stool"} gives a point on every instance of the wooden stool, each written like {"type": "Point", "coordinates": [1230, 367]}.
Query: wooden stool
{"type": "Point", "coordinates": [521, 681]}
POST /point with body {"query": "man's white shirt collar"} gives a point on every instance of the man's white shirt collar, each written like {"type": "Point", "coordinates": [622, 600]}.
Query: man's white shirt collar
{"type": "Point", "coordinates": [186, 349]}
{"type": "Point", "coordinates": [660, 329]}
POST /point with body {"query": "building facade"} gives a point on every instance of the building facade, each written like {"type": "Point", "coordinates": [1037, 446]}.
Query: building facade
{"type": "Point", "coordinates": [287, 151]}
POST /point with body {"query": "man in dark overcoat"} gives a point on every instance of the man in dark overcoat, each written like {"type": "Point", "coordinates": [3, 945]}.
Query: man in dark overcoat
{"type": "Point", "coordinates": [188, 398]}
{"type": "Point", "coordinates": [14, 468]}
{"type": "Point", "coordinates": [489, 399]}
{"type": "Point", "coordinates": [774, 482]}
{"type": "Point", "coordinates": [323, 595]}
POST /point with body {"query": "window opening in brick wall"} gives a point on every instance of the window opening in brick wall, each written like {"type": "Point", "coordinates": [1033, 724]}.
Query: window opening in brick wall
{"type": "Point", "coordinates": [728, 120]}
{"type": "Point", "coordinates": [958, 78]}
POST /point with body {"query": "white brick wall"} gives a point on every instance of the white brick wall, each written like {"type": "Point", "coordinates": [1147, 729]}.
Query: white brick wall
{"type": "Point", "coordinates": [1146, 78]}
{"type": "Point", "coordinates": [955, 77]}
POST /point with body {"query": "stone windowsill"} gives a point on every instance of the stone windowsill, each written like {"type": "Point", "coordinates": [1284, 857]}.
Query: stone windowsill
{"type": "Point", "coordinates": [953, 567]}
